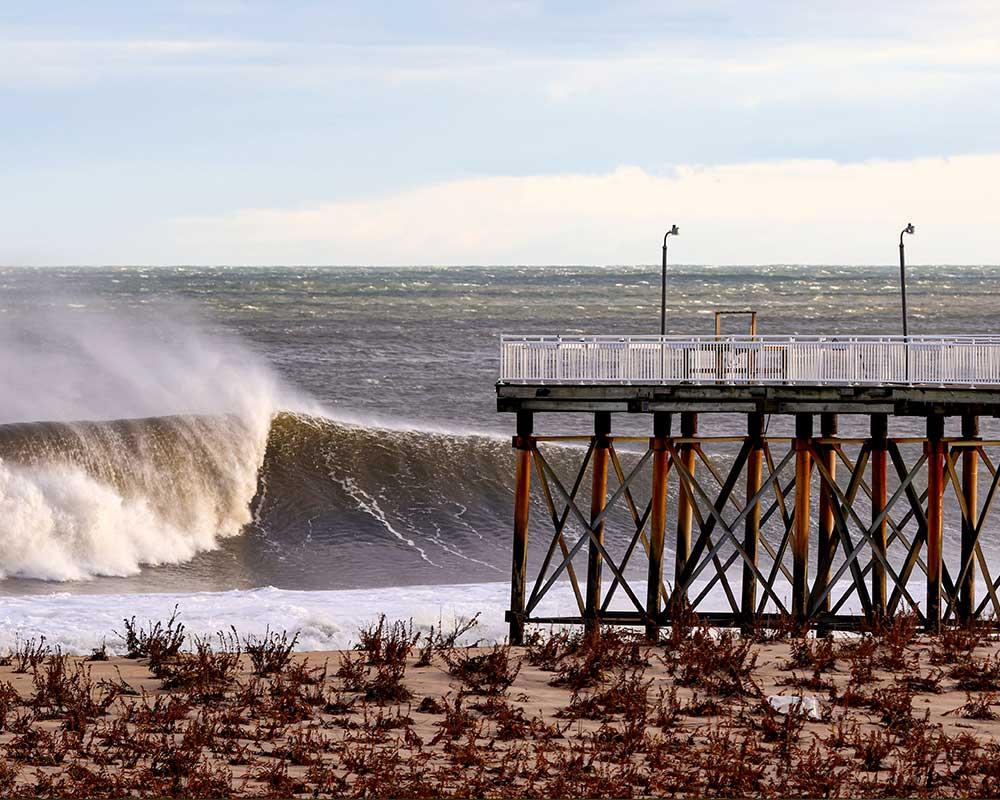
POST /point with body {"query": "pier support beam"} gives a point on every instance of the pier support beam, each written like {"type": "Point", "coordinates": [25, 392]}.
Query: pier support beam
{"type": "Point", "coordinates": [685, 513]}
{"type": "Point", "coordinates": [751, 526]}
{"type": "Point", "coordinates": [657, 522]}
{"type": "Point", "coordinates": [598, 497]}
{"type": "Point", "coordinates": [935, 450]}
{"type": "Point", "coordinates": [970, 491]}
{"type": "Point", "coordinates": [826, 543]}
{"type": "Point", "coordinates": [879, 443]}
{"type": "Point", "coordinates": [800, 522]}
{"type": "Point", "coordinates": [523, 446]}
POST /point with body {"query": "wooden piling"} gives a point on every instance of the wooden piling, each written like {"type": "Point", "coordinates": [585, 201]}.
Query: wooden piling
{"type": "Point", "coordinates": [800, 531]}
{"type": "Point", "coordinates": [879, 443]}
{"type": "Point", "coordinates": [825, 541]}
{"type": "Point", "coordinates": [970, 492]}
{"type": "Point", "coordinates": [685, 512]}
{"type": "Point", "coordinates": [935, 450]}
{"type": "Point", "coordinates": [657, 522]}
{"type": "Point", "coordinates": [523, 446]}
{"type": "Point", "coordinates": [598, 497]}
{"type": "Point", "coordinates": [751, 525]}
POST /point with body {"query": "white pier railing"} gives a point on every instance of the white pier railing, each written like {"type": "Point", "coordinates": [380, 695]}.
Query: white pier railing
{"type": "Point", "coordinates": [806, 360]}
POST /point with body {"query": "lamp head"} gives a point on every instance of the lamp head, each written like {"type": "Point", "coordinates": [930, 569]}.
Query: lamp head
{"type": "Point", "coordinates": [909, 228]}
{"type": "Point", "coordinates": [675, 230]}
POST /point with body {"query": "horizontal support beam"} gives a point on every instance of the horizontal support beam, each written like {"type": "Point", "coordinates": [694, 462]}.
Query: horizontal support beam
{"type": "Point", "coordinates": [729, 398]}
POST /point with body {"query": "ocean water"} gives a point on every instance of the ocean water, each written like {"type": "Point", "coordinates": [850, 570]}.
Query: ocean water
{"type": "Point", "coordinates": [307, 447]}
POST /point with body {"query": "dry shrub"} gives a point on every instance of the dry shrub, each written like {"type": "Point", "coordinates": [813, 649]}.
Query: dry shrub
{"type": "Point", "coordinates": [978, 707]}
{"type": "Point", "coordinates": [628, 694]}
{"type": "Point", "coordinates": [816, 655]}
{"type": "Point", "coordinates": [387, 643]}
{"type": "Point", "coordinates": [666, 709]}
{"type": "Point", "coordinates": [27, 655]}
{"type": "Point", "coordinates": [781, 729]}
{"type": "Point", "coordinates": [815, 772]}
{"type": "Point", "coordinates": [862, 658]}
{"type": "Point", "coordinates": [489, 673]}
{"type": "Point", "coordinates": [386, 685]}
{"type": "Point", "coordinates": [160, 716]}
{"type": "Point", "coordinates": [923, 684]}
{"type": "Point", "coordinates": [954, 644]}
{"type": "Point", "coordinates": [545, 652]}
{"type": "Point", "coordinates": [510, 721]}
{"type": "Point", "coordinates": [40, 747]}
{"type": "Point", "coordinates": [894, 705]}
{"type": "Point", "coordinates": [270, 652]}
{"type": "Point", "coordinates": [208, 781]}
{"type": "Point", "coordinates": [430, 705]}
{"type": "Point", "coordinates": [731, 765]}
{"type": "Point", "coordinates": [698, 706]}
{"type": "Point", "coordinates": [158, 641]}
{"type": "Point", "coordinates": [8, 778]}
{"type": "Point", "coordinates": [99, 653]}
{"type": "Point", "coordinates": [64, 690]}
{"type": "Point", "coordinates": [9, 701]}
{"type": "Point", "coordinates": [276, 781]}
{"type": "Point", "coordinates": [437, 640]}
{"type": "Point", "coordinates": [814, 682]}
{"type": "Point", "coordinates": [894, 637]}
{"type": "Point", "coordinates": [587, 658]}
{"type": "Point", "coordinates": [871, 748]}
{"type": "Point", "coordinates": [842, 733]}
{"type": "Point", "coordinates": [779, 628]}
{"type": "Point", "coordinates": [977, 674]}
{"type": "Point", "coordinates": [302, 748]}
{"type": "Point", "coordinates": [457, 722]}
{"type": "Point", "coordinates": [914, 771]}
{"type": "Point", "coordinates": [721, 664]}
{"type": "Point", "coordinates": [206, 674]}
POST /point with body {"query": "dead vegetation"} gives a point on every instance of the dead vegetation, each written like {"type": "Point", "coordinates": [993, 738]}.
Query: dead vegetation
{"type": "Point", "coordinates": [245, 716]}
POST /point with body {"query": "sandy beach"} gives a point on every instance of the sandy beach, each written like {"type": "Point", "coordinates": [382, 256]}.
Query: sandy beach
{"type": "Point", "coordinates": [409, 715]}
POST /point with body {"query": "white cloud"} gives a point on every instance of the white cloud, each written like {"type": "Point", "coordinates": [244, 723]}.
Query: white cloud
{"type": "Point", "coordinates": [791, 211]}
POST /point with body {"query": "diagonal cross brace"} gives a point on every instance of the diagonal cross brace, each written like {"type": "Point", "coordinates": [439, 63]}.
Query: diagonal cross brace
{"type": "Point", "coordinates": [716, 518]}
{"type": "Point", "coordinates": [589, 526]}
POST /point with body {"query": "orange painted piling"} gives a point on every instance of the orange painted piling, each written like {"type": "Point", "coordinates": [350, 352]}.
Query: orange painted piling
{"type": "Point", "coordinates": [598, 497]}
{"type": "Point", "coordinates": [685, 513]}
{"type": "Point", "coordinates": [751, 525]}
{"type": "Point", "coordinates": [825, 538]}
{"type": "Point", "coordinates": [800, 523]}
{"type": "Point", "coordinates": [935, 450]}
{"type": "Point", "coordinates": [879, 464]}
{"type": "Point", "coordinates": [970, 492]}
{"type": "Point", "coordinates": [657, 522]}
{"type": "Point", "coordinates": [523, 446]}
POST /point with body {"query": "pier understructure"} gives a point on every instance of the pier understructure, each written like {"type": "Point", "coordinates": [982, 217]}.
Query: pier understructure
{"type": "Point", "coordinates": [810, 525]}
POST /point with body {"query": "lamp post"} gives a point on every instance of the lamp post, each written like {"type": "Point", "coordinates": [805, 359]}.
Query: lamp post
{"type": "Point", "coordinates": [902, 272]}
{"type": "Point", "coordinates": [902, 293]}
{"type": "Point", "coordinates": [663, 281]}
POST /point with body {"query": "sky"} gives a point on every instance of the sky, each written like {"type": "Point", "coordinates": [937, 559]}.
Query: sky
{"type": "Point", "coordinates": [491, 132]}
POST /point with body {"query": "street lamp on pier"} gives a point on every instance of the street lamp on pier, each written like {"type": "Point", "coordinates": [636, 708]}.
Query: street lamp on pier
{"type": "Point", "coordinates": [674, 231]}
{"type": "Point", "coordinates": [902, 272]}
{"type": "Point", "coordinates": [902, 293]}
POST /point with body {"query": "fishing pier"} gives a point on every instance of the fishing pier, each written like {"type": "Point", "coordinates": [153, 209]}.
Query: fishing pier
{"type": "Point", "coordinates": [826, 530]}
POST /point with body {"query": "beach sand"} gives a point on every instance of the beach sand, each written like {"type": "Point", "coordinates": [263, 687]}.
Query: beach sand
{"type": "Point", "coordinates": [613, 718]}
